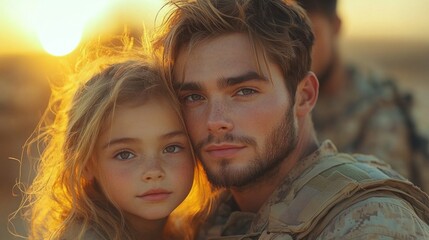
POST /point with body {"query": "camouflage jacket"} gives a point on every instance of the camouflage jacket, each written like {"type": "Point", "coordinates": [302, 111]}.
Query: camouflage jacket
{"type": "Point", "coordinates": [330, 195]}
{"type": "Point", "coordinates": [371, 116]}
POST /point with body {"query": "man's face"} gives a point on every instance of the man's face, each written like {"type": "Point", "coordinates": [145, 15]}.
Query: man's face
{"type": "Point", "coordinates": [241, 122]}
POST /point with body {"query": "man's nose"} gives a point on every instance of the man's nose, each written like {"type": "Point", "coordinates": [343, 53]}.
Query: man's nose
{"type": "Point", "coordinates": [218, 122]}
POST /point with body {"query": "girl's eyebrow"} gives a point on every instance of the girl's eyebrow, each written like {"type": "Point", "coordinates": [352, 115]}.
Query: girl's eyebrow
{"type": "Point", "coordinates": [129, 140]}
{"type": "Point", "coordinates": [174, 134]}
{"type": "Point", "coordinates": [119, 140]}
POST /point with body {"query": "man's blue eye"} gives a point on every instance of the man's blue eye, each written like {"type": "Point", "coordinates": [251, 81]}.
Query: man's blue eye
{"type": "Point", "coordinates": [246, 91]}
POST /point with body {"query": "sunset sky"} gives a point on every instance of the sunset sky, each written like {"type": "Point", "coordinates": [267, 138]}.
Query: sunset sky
{"type": "Point", "coordinates": [59, 25]}
{"type": "Point", "coordinates": [386, 19]}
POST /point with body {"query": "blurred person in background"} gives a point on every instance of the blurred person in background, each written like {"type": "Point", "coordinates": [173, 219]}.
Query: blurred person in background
{"type": "Point", "coordinates": [361, 111]}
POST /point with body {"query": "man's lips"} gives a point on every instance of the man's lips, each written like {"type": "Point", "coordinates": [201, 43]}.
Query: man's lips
{"type": "Point", "coordinates": [155, 195]}
{"type": "Point", "coordinates": [223, 150]}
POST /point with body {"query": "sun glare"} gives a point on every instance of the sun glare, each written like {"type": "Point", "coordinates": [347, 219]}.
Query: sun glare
{"type": "Point", "coordinates": [60, 23]}
{"type": "Point", "coordinates": [60, 42]}
{"type": "Point", "coordinates": [59, 26]}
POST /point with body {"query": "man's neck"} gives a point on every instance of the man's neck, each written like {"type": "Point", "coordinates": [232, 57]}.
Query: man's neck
{"type": "Point", "coordinates": [251, 198]}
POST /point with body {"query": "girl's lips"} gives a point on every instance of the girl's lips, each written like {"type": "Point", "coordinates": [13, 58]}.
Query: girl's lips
{"type": "Point", "coordinates": [155, 195]}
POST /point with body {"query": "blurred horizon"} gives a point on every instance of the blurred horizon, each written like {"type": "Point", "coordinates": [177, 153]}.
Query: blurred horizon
{"type": "Point", "coordinates": [24, 23]}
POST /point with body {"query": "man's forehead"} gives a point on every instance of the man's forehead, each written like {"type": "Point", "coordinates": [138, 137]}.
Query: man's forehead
{"type": "Point", "coordinates": [226, 56]}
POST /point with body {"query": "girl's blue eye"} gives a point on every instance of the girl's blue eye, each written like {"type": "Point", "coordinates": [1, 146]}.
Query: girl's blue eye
{"type": "Point", "coordinates": [172, 149]}
{"type": "Point", "coordinates": [245, 92]}
{"type": "Point", "coordinates": [124, 155]}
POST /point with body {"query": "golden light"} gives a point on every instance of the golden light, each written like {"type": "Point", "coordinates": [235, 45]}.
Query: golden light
{"type": "Point", "coordinates": [385, 19]}
{"type": "Point", "coordinates": [60, 24]}
{"type": "Point", "coordinates": [60, 39]}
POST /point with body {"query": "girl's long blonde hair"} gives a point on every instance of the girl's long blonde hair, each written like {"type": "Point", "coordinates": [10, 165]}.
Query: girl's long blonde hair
{"type": "Point", "coordinates": [60, 197]}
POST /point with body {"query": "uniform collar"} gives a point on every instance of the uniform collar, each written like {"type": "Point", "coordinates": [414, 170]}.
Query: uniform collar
{"type": "Point", "coordinates": [326, 149]}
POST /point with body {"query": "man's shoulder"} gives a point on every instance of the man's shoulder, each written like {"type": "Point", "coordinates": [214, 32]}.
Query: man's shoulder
{"type": "Point", "coordinates": [334, 184]}
{"type": "Point", "coordinates": [387, 216]}
{"type": "Point", "coordinates": [378, 217]}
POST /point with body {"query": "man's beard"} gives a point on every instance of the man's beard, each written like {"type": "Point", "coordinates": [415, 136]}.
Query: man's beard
{"type": "Point", "coordinates": [280, 142]}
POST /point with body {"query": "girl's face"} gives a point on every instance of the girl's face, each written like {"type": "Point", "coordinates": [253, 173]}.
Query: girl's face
{"type": "Point", "coordinates": [143, 159]}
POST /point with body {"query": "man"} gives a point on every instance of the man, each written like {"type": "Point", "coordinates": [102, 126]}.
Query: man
{"type": "Point", "coordinates": [361, 112]}
{"type": "Point", "coordinates": [241, 70]}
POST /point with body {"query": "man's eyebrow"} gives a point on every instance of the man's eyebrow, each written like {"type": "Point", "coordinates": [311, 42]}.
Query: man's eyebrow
{"type": "Point", "coordinates": [222, 83]}
{"type": "Point", "coordinates": [249, 76]}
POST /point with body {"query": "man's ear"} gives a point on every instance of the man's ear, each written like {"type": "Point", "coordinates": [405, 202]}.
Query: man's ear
{"type": "Point", "coordinates": [306, 94]}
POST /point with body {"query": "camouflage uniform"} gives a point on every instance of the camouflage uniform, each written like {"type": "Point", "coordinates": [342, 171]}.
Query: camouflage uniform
{"type": "Point", "coordinates": [330, 195]}
{"type": "Point", "coordinates": [371, 117]}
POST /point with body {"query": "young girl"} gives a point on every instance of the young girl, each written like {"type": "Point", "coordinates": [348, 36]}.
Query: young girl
{"type": "Point", "coordinates": [117, 161]}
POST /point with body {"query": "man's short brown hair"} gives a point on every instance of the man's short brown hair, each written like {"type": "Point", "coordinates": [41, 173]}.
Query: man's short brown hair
{"type": "Point", "coordinates": [278, 27]}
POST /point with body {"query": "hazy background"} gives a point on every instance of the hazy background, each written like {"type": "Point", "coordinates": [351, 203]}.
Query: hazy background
{"type": "Point", "coordinates": [389, 35]}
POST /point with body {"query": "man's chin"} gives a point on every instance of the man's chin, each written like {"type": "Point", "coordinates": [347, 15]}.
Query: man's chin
{"type": "Point", "coordinates": [228, 176]}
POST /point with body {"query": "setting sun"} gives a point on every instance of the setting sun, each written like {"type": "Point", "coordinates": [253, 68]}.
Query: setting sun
{"type": "Point", "coordinates": [59, 24]}
{"type": "Point", "coordinates": [59, 38]}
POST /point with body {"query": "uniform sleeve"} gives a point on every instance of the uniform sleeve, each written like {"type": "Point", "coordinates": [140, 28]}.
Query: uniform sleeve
{"type": "Point", "coordinates": [378, 218]}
